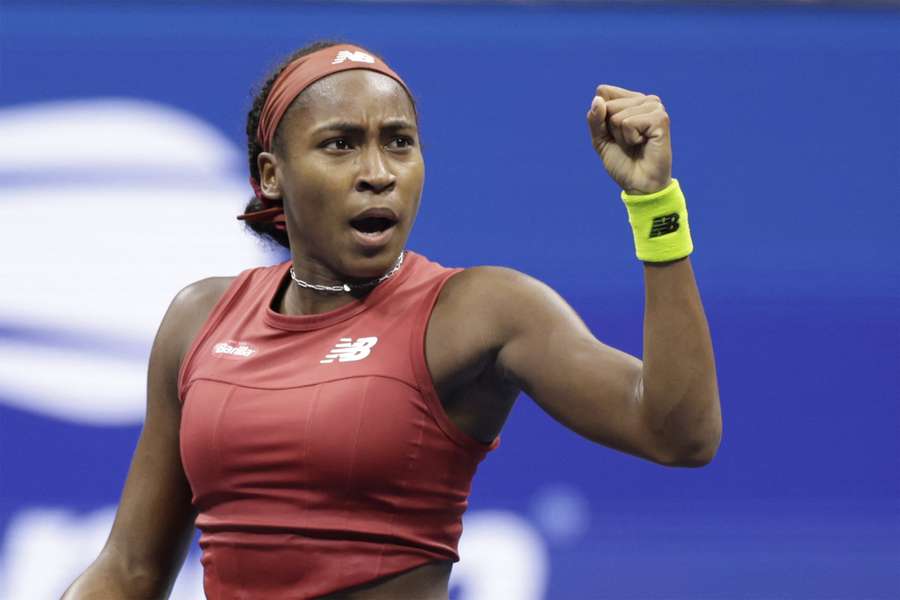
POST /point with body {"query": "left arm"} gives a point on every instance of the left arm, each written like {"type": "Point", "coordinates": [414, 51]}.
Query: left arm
{"type": "Point", "coordinates": [666, 408]}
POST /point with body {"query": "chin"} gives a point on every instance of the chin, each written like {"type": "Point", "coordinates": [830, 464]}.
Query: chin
{"type": "Point", "coordinates": [373, 262]}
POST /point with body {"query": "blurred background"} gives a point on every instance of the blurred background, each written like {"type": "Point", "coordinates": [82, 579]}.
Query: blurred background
{"type": "Point", "coordinates": [122, 165]}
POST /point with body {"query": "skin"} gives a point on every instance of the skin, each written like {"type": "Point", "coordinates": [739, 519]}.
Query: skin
{"type": "Point", "coordinates": [326, 176]}
{"type": "Point", "coordinates": [519, 334]}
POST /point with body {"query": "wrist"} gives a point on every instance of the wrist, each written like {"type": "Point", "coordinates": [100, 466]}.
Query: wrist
{"type": "Point", "coordinates": [654, 189]}
{"type": "Point", "coordinates": [665, 263]}
{"type": "Point", "coordinates": [659, 223]}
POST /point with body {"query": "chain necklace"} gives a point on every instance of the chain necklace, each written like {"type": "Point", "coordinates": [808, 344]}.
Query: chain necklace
{"type": "Point", "coordinates": [346, 287]}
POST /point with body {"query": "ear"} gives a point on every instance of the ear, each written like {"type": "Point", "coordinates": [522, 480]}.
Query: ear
{"type": "Point", "coordinates": [268, 181]}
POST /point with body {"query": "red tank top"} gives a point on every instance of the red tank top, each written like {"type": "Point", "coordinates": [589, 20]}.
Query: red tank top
{"type": "Point", "coordinates": [317, 450]}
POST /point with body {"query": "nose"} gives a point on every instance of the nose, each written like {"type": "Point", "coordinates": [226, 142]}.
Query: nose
{"type": "Point", "coordinates": [374, 173]}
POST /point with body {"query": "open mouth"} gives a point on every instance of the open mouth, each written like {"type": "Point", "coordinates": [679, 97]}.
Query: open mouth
{"type": "Point", "coordinates": [372, 225]}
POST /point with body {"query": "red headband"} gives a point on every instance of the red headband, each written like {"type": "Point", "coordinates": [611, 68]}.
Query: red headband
{"type": "Point", "coordinates": [295, 78]}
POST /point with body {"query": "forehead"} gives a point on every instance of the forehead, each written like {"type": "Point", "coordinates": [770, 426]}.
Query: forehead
{"type": "Point", "coordinates": [357, 94]}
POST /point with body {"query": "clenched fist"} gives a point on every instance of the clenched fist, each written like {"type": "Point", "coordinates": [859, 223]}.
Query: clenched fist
{"type": "Point", "coordinates": [630, 132]}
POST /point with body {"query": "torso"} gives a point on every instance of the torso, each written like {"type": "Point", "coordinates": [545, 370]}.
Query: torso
{"type": "Point", "coordinates": [474, 396]}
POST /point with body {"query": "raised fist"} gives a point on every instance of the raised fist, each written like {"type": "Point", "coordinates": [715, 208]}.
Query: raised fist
{"type": "Point", "coordinates": [630, 132]}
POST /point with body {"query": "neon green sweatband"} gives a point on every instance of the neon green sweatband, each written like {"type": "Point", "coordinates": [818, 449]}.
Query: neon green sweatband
{"type": "Point", "coordinates": [660, 224]}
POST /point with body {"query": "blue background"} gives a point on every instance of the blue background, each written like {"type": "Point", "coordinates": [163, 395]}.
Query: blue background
{"type": "Point", "coordinates": [786, 140]}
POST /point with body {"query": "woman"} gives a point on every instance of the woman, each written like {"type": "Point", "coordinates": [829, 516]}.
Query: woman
{"type": "Point", "coordinates": [322, 419]}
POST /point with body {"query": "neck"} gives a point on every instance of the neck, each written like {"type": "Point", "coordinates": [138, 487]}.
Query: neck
{"type": "Point", "coordinates": [298, 300]}
{"type": "Point", "coordinates": [304, 301]}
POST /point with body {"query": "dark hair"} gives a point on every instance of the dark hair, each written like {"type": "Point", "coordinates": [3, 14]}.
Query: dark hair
{"type": "Point", "coordinates": [262, 228]}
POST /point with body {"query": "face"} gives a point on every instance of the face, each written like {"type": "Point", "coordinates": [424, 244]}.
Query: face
{"type": "Point", "coordinates": [348, 143]}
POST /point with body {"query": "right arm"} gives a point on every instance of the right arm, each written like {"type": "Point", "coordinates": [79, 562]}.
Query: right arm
{"type": "Point", "coordinates": [154, 523]}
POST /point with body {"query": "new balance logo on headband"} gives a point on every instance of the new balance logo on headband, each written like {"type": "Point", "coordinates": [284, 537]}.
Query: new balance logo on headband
{"type": "Point", "coordinates": [352, 56]}
{"type": "Point", "coordinates": [664, 224]}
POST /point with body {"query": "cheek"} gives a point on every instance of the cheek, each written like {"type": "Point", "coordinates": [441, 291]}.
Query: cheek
{"type": "Point", "coordinates": [319, 181]}
{"type": "Point", "coordinates": [414, 173]}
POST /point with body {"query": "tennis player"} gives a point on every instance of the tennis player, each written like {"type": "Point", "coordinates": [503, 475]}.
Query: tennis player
{"type": "Point", "coordinates": [321, 420]}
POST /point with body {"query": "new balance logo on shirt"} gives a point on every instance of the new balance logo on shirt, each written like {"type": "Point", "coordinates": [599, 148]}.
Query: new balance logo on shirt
{"type": "Point", "coordinates": [663, 225]}
{"type": "Point", "coordinates": [352, 56]}
{"type": "Point", "coordinates": [348, 350]}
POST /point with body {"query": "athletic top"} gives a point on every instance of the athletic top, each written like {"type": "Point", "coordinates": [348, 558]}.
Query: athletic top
{"type": "Point", "coordinates": [317, 450]}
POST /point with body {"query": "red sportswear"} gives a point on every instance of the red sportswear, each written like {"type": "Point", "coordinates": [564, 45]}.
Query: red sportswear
{"type": "Point", "coordinates": [317, 450]}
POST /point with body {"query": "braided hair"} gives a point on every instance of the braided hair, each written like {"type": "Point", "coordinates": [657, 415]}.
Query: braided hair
{"type": "Point", "coordinates": [267, 230]}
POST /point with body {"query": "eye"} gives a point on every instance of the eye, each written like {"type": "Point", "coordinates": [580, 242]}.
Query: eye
{"type": "Point", "coordinates": [337, 144]}
{"type": "Point", "coordinates": [403, 141]}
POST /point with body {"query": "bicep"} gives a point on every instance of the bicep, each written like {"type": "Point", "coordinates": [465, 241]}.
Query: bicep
{"type": "Point", "coordinates": [586, 385]}
{"type": "Point", "coordinates": [154, 523]}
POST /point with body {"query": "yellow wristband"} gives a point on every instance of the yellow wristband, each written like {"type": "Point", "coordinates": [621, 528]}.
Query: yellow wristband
{"type": "Point", "coordinates": [660, 224]}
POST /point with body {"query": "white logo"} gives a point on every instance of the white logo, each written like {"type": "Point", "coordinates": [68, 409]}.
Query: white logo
{"type": "Point", "coordinates": [108, 148]}
{"type": "Point", "coordinates": [349, 350]}
{"type": "Point", "coordinates": [354, 56]}
{"type": "Point", "coordinates": [242, 349]}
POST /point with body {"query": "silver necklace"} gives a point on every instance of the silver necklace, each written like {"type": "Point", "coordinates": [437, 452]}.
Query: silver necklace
{"type": "Point", "coordinates": [346, 287]}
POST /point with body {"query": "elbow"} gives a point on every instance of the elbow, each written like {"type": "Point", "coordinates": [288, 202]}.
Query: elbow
{"type": "Point", "coordinates": [699, 458]}
{"type": "Point", "coordinates": [697, 453]}
{"type": "Point", "coordinates": [693, 442]}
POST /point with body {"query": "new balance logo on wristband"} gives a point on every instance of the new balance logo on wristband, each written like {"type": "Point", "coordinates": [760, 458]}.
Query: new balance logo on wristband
{"type": "Point", "coordinates": [663, 225]}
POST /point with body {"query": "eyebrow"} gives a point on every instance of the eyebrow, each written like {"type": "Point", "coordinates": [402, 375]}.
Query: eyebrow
{"type": "Point", "coordinates": [347, 126]}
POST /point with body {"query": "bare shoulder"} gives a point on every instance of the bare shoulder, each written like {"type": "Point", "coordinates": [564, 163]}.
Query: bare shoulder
{"type": "Point", "coordinates": [190, 309]}
{"type": "Point", "coordinates": [491, 283]}
{"type": "Point", "coordinates": [511, 309]}
{"type": "Point", "coordinates": [498, 303]}
{"type": "Point", "coordinates": [203, 292]}
{"type": "Point", "coordinates": [476, 293]}
{"type": "Point", "coordinates": [502, 295]}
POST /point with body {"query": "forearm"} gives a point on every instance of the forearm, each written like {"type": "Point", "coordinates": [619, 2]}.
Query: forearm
{"type": "Point", "coordinates": [679, 390]}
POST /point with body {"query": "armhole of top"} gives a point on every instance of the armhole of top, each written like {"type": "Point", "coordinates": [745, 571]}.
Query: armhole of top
{"type": "Point", "coordinates": [215, 315]}
{"type": "Point", "coordinates": [425, 382]}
